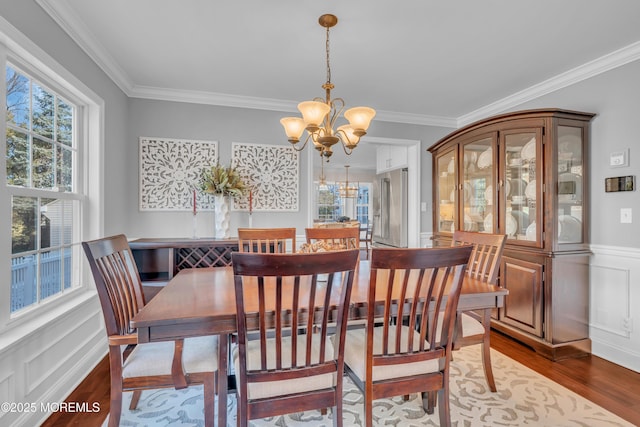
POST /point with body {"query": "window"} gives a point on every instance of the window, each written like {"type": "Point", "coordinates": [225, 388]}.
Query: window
{"type": "Point", "coordinates": [331, 207]}
{"type": "Point", "coordinates": [41, 175]}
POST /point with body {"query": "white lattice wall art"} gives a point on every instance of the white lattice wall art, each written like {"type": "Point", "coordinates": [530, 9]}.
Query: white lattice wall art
{"type": "Point", "coordinates": [271, 171]}
{"type": "Point", "coordinates": [170, 170]}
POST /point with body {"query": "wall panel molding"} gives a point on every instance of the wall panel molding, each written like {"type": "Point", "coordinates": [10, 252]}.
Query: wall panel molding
{"type": "Point", "coordinates": [614, 284]}
{"type": "Point", "coordinates": [47, 364]}
{"type": "Point", "coordinates": [44, 364]}
{"type": "Point", "coordinates": [7, 390]}
{"type": "Point", "coordinates": [610, 298]}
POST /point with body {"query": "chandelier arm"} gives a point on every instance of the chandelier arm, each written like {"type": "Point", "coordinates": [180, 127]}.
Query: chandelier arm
{"type": "Point", "coordinates": [304, 144]}
{"type": "Point", "coordinates": [344, 139]}
{"type": "Point", "coordinates": [337, 107]}
{"type": "Point", "coordinates": [347, 151]}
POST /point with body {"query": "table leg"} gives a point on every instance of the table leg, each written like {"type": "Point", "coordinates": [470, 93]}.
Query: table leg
{"type": "Point", "coordinates": [223, 352]}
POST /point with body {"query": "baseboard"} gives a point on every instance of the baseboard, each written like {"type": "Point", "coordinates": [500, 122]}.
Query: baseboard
{"type": "Point", "coordinates": [620, 356]}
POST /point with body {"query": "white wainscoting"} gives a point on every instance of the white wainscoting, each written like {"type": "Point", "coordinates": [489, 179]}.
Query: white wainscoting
{"type": "Point", "coordinates": [46, 365]}
{"type": "Point", "coordinates": [614, 286]}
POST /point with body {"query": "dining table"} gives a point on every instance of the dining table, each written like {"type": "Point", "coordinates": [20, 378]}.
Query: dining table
{"type": "Point", "coordinates": [201, 301]}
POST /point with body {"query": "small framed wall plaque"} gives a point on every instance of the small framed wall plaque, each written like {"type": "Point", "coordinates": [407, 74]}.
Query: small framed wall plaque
{"type": "Point", "coordinates": [620, 183]}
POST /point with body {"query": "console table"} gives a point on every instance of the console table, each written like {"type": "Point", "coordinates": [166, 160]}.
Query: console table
{"type": "Point", "coordinates": [158, 259]}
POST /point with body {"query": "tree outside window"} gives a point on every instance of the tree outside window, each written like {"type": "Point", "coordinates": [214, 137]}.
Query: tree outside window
{"type": "Point", "coordinates": [40, 157]}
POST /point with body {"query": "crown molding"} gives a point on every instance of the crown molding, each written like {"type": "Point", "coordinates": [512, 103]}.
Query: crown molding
{"type": "Point", "coordinates": [212, 98]}
{"type": "Point", "coordinates": [78, 31]}
{"type": "Point", "coordinates": [67, 19]}
{"type": "Point", "coordinates": [590, 69]}
{"type": "Point", "coordinates": [388, 141]}
{"type": "Point", "coordinates": [416, 119]}
{"type": "Point", "coordinates": [226, 100]}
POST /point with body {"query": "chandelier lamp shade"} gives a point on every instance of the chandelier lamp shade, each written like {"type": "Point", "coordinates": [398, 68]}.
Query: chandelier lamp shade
{"type": "Point", "coordinates": [320, 115]}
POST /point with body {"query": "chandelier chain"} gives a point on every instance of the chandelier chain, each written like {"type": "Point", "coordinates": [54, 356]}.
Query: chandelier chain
{"type": "Point", "coordinates": [328, 65]}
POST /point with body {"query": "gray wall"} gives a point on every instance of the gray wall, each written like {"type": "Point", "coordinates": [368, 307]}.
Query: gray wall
{"type": "Point", "coordinates": [615, 97]}
{"type": "Point", "coordinates": [46, 353]}
{"type": "Point", "coordinates": [227, 125]}
{"type": "Point", "coordinates": [29, 18]}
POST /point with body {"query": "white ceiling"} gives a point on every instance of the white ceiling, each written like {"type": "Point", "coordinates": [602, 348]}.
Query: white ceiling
{"type": "Point", "coordinates": [415, 61]}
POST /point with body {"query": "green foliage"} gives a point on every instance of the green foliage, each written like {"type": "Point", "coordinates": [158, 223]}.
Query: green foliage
{"type": "Point", "coordinates": [222, 180]}
{"type": "Point", "coordinates": [39, 152]}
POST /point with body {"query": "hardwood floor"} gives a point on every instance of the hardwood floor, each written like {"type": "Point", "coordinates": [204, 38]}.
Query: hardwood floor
{"type": "Point", "coordinates": [604, 383]}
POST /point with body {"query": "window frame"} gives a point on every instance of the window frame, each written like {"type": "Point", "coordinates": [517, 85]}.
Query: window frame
{"type": "Point", "coordinates": [73, 195]}
{"type": "Point", "coordinates": [25, 57]}
{"type": "Point", "coordinates": [340, 202]}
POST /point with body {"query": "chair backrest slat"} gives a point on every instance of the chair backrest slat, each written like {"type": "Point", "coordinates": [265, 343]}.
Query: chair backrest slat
{"type": "Point", "coordinates": [298, 294]}
{"type": "Point", "coordinates": [267, 240]}
{"type": "Point", "coordinates": [484, 264]}
{"type": "Point", "coordinates": [335, 238]}
{"type": "Point", "coordinates": [418, 284]}
{"type": "Point", "coordinates": [117, 281]}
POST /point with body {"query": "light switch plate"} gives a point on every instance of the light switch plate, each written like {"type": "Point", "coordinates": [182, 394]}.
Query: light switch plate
{"type": "Point", "coordinates": [625, 216]}
{"type": "Point", "coordinates": [619, 159]}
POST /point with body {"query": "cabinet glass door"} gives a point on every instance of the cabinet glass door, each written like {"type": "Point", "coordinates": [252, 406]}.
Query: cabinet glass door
{"type": "Point", "coordinates": [447, 169]}
{"type": "Point", "coordinates": [478, 195]}
{"type": "Point", "coordinates": [570, 192]}
{"type": "Point", "coordinates": [521, 189]}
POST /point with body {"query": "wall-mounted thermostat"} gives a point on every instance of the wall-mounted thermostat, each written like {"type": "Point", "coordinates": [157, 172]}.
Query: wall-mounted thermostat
{"type": "Point", "coordinates": [620, 183]}
{"type": "Point", "coordinates": [619, 158]}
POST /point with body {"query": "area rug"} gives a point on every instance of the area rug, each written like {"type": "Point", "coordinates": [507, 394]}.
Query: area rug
{"type": "Point", "coordinates": [523, 398]}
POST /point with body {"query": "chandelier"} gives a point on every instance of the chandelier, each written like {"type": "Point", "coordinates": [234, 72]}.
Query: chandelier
{"type": "Point", "coordinates": [345, 190]}
{"type": "Point", "coordinates": [319, 116]}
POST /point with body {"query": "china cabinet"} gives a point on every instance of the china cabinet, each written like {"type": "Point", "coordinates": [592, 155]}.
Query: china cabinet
{"type": "Point", "coordinates": [525, 174]}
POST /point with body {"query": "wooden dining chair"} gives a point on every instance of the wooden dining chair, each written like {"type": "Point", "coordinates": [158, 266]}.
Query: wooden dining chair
{"type": "Point", "coordinates": [474, 327]}
{"type": "Point", "coordinates": [410, 351]}
{"type": "Point", "coordinates": [267, 240]}
{"type": "Point", "coordinates": [334, 238]}
{"type": "Point", "coordinates": [366, 240]}
{"type": "Point", "coordinates": [300, 367]}
{"type": "Point", "coordinates": [136, 367]}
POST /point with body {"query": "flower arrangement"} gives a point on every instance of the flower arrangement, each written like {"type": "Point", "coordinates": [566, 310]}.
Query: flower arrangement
{"type": "Point", "coordinates": [222, 180]}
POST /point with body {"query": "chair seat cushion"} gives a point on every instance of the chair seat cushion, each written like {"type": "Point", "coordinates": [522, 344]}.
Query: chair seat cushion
{"type": "Point", "coordinates": [284, 387]}
{"type": "Point", "coordinates": [200, 354]}
{"type": "Point", "coordinates": [471, 326]}
{"type": "Point", "coordinates": [356, 352]}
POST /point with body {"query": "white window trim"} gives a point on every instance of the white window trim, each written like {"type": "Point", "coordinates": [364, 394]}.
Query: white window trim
{"type": "Point", "coordinates": [17, 48]}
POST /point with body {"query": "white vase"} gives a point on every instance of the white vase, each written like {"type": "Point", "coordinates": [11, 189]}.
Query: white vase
{"type": "Point", "coordinates": [221, 225]}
